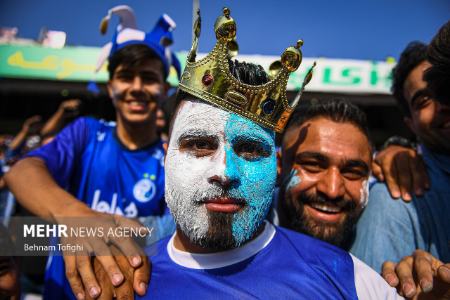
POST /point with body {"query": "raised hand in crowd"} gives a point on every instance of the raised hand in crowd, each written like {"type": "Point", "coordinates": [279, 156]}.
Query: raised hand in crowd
{"type": "Point", "coordinates": [30, 126]}
{"type": "Point", "coordinates": [403, 170]}
{"type": "Point", "coordinates": [67, 109]}
{"type": "Point", "coordinates": [419, 276]}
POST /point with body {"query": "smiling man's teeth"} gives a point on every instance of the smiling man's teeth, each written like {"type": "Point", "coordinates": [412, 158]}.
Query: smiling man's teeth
{"type": "Point", "coordinates": [325, 208]}
{"type": "Point", "coordinates": [137, 103]}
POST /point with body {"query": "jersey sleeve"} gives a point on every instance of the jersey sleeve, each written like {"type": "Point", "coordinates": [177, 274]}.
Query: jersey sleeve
{"type": "Point", "coordinates": [63, 153]}
{"type": "Point", "coordinates": [370, 285]}
{"type": "Point", "coordinates": [385, 230]}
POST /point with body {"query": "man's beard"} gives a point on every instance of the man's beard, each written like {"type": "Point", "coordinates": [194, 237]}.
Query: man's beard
{"type": "Point", "coordinates": [219, 235]}
{"type": "Point", "coordinates": [339, 234]}
{"type": "Point", "coordinates": [207, 229]}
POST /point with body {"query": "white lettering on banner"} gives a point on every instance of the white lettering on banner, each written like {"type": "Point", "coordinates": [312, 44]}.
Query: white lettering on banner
{"type": "Point", "coordinates": [131, 210]}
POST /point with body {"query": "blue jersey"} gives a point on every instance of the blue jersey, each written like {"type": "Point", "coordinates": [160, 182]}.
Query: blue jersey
{"type": "Point", "coordinates": [278, 264]}
{"type": "Point", "coordinates": [88, 160]}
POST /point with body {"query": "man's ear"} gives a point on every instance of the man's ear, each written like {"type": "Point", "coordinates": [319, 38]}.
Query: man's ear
{"type": "Point", "coordinates": [409, 123]}
{"type": "Point", "coordinates": [279, 164]}
{"type": "Point", "coordinates": [109, 89]}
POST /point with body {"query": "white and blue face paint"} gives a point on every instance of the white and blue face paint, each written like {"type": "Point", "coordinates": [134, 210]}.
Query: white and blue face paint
{"type": "Point", "coordinates": [188, 177]}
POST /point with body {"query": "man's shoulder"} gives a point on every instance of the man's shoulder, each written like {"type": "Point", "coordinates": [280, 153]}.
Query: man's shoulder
{"type": "Point", "coordinates": [369, 284]}
{"type": "Point", "coordinates": [303, 241]}
{"type": "Point", "coordinates": [381, 201]}
{"type": "Point", "coordinates": [314, 252]}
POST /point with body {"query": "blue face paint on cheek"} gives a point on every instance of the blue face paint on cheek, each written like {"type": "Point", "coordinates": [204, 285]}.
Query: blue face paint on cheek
{"type": "Point", "coordinates": [293, 180]}
{"type": "Point", "coordinates": [255, 179]}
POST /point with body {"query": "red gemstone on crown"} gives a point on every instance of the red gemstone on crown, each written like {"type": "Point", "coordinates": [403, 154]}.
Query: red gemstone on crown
{"type": "Point", "coordinates": [207, 79]}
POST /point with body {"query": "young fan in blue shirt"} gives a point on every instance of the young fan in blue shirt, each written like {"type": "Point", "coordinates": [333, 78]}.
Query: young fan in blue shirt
{"type": "Point", "coordinates": [95, 167]}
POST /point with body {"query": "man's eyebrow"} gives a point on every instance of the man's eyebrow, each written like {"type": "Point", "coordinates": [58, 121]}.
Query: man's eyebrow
{"type": "Point", "coordinates": [355, 163]}
{"type": "Point", "coordinates": [419, 93]}
{"type": "Point", "coordinates": [312, 155]}
{"type": "Point", "coordinates": [124, 71]}
{"type": "Point", "coordinates": [195, 133]}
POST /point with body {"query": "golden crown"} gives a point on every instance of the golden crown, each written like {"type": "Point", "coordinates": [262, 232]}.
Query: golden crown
{"type": "Point", "coordinates": [210, 79]}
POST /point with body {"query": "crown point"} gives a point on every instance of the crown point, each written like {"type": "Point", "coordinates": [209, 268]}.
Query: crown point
{"type": "Point", "coordinates": [226, 12]}
{"type": "Point", "coordinates": [299, 44]}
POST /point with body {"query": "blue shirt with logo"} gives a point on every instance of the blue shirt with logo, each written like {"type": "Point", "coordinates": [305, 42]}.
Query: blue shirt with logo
{"type": "Point", "coordinates": [88, 160]}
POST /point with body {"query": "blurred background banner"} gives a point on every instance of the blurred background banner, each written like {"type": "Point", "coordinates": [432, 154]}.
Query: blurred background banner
{"type": "Point", "coordinates": [78, 64]}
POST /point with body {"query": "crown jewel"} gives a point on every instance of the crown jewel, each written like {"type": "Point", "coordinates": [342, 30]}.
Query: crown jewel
{"type": "Point", "coordinates": [211, 80]}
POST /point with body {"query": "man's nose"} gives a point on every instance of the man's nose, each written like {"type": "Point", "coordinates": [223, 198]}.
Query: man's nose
{"type": "Point", "coordinates": [332, 184]}
{"type": "Point", "coordinates": [224, 181]}
{"type": "Point", "coordinates": [137, 83]}
{"type": "Point", "coordinates": [227, 175]}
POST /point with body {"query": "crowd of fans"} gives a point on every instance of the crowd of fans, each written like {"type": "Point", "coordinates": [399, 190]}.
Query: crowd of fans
{"type": "Point", "coordinates": [389, 207]}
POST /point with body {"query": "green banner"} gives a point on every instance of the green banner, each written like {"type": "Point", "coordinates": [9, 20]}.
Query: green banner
{"type": "Point", "coordinates": [78, 64]}
{"type": "Point", "coordinates": [68, 63]}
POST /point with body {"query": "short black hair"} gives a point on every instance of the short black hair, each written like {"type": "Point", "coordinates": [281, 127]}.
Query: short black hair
{"type": "Point", "coordinates": [336, 110]}
{"type": "Point", "coordinates": [413, 55]}
{"type": "Point", "coordinates": [132, 56]}
{"type": "Point", "coordinates": [438, 76]}
{"type": "Point", "coordinates": [247, 73]}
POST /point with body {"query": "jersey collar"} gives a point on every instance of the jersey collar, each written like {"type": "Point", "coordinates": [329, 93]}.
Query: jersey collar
{"type": "Point", "coordinates": [223, 258]}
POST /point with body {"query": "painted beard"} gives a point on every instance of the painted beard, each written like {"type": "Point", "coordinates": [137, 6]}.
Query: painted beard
{"type": "Point", "coordinates": [207, 229]}
{"type": "Point", "coordinates": [339, 234]}
{"type": "Point", "coordinates": [188, 177]}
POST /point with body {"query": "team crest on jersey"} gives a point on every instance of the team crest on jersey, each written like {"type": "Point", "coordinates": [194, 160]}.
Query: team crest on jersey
{"type": "Point", "coordinates": [144, 190]}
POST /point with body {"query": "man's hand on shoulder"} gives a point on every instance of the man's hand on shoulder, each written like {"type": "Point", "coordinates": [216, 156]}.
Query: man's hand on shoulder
{"type": "Point", "coordinates": [136, 280]}
{"type": "Point", "coordinates": [419, 276]}
{"type": "Point", "coordinates": [80, 267]}
{"type": "Point", "coordinates": [403, 170]}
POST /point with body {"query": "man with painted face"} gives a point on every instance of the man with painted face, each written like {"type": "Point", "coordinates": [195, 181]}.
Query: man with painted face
{"type": "Point", "coordinates": [220, 175]}
{"type": "Point", "coordinates": [94, 167]}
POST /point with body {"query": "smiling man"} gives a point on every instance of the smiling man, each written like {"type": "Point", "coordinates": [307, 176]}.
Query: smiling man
{"type": "Point", "coordinates": [220, 176]}
{"type": "Point", "coordinates": [94, 167]}
{"type": "Point", "coordinates": [389, 230]}
{"type": "Point", "coordinates": [326, 154]}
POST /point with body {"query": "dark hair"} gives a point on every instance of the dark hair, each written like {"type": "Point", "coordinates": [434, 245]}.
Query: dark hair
{"type": "Point", "coordinates": [438, 76]}
{"type": "Point", "coordinates": [132, 56]}
{"type": "Point", "coordinates": [413, 55]}
{"type": "Point", "coordinates": [248, 73]}
{"type": "Point", "coordinates": [336, 110]}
